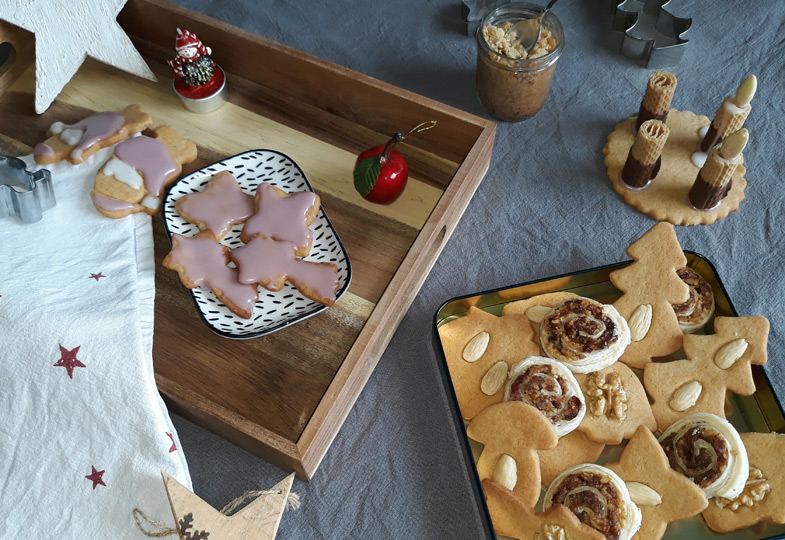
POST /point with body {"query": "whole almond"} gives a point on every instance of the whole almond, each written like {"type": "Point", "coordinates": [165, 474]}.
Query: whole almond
{"type": "Point", "coordinates": [729, 353]}
{"type": "Point", "coordinates": [643, 495]}
{"type": "Point", "coordinates": [494, 378]}
{"type": "Point", "coordinates": [537, 313]}
{"type": "Point", "coordinates": [476, 347]}
{"type": "Point", "coordinates": [640, 322]}
{"type": "Point", "coordinates": [506, 472]}
{"type": "Point", "coordinates": [686, 396]}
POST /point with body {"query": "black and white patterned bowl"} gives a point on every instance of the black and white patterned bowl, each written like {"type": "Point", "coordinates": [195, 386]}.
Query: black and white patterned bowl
{"type": "Point", "coordinates": [274, 310]}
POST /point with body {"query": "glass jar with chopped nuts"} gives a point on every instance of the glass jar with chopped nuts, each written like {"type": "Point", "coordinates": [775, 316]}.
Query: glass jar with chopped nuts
{"type": "Point", "coordinates": [511, 83]}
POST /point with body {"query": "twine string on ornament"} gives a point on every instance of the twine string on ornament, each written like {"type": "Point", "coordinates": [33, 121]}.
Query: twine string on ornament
{"type": "Point", "coordinates": [161, 530]}
{"type": "Point", "coordinates": [425, 126]}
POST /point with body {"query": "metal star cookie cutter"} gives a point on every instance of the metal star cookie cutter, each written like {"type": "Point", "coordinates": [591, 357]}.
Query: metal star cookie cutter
{"type": "Point", "coordinates": [651, 33]}
{"type": "Point", "coordinates": [24, 194]}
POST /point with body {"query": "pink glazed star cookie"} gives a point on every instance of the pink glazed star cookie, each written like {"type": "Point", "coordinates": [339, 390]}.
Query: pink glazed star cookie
{"type": "Point", "coordinates": [222, 204]}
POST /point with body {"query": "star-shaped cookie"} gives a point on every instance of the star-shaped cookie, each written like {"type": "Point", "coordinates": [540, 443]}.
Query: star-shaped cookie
{"type": "Point", "coordinates": [221, 205]}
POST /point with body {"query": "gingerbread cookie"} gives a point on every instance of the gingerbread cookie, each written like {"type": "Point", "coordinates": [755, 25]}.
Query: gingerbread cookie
{"type": "Point", "coordinates": [77, 142]}
{"type": "Point", "coordinates": [536, 307]}
{"type": "Point", "coordinates": [549, 387]}
{"type": "Point", "coordinates": [662, 494]}
{"type": "Point", "coordinates": [222, 204]}
{"type": "Point", "coordinates": [573, 449]}
{"type": "Point", "coordinates": [139, 172]}
{"type": "Point", "coordinates": [616, 404]}
{"type": "Point", "coordinates": [473, 345]}
{"type": "Point", "coordinates": [698, 309]}
{"type": "Point", "coordinates": [598, 497]}
{"type": "Point", "coordinates": [271, 263]}
{"type": "Point", "coordinates": [707, 449]}
{"type": "Point", "coordinates": [584, 334]}
{"type": "Point", "coordinates": [514, 517]}
{"type": "Point", "coordinates": [201, 262]}
{"type": "Point", "coordinates": [517, 430]}
{"type": "Point", "coordinates": [715, 363]}
{"type": "Point", "coordinates": [650, 285]}
{"type": "Point", "coordinates": [763, 496]}
{"type": "Point", "coordinates": [283, 216]}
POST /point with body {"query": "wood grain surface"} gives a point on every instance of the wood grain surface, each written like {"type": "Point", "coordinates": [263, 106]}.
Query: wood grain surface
{"type": "Point", "coordinates": [285, 395]}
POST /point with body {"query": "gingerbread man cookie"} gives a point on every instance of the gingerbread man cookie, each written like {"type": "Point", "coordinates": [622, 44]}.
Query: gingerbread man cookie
{"type": "Point", "coordinates": [222, 204]}
{"type": "Point", "coordinates": [715, 363]}
{"type": "Point", "coordinates": [763, 496]}
{"type": "Point", "coordinates": [514, 517]}
{"type": "Point", "coordinates": [135, 178]}
{"type": "Point", "coordinates": [650, 286]}
{"type": "Point", "coordinates": [662, 494]}
{"type": "Point", "coordinates": [478, 345]}
{"type": "Point", "coordinates": [77, 142]}
{"type": "Point", "coordinates": [516, 430]}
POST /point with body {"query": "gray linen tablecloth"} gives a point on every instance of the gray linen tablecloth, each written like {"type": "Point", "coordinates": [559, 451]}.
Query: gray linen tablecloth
{"type": "Point", "coordinates": [545, 208]}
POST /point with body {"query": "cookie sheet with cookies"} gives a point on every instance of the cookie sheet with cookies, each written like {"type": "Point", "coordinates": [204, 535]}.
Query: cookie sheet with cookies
{"type": "Point", "coordinates": [644, 367]}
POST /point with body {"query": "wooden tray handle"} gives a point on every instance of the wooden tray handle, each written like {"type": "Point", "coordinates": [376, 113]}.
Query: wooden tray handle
{"type": "Point", "coordinates": [17, 52]}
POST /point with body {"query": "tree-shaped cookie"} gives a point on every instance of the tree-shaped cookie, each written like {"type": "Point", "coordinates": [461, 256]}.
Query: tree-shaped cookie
{"type": "Point", "coordinates": [763, 497]}
{"type": "Point", "coordinates": [715, 363]}
{"type": "Point", "coordinates": [662, 494]}
{"type": "Point", "coordinates": [650, 285]}
{"type": "Point", "coordinates": [477, 345]}
{"type": "Point", "coordinates": [517, 430]}
{"type": "Point", "coordinates": [573, 449]}
{"type": "Point", "coordinates": [514, 517]}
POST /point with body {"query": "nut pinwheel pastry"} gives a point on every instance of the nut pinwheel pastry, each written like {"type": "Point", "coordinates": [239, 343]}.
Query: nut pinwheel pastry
{"type": "Point", "coordinates": [549, 387]}
{"type": "Point", "coordinates": [698, 309]}
{"type": "Point", "coordinates": [584, 334]}
{"type": "Point", "coordinates": [598, 497]}
{"type": "Point", "coordinates": [708, 450]}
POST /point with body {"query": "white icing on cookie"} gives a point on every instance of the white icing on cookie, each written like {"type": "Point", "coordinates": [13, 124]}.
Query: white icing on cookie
{"type": "Point", "coordinates": [71, 136]}
{"type": "Point", "coordinates": [153, 203]}
{"type": "Point", "coordinates": [124, 173]}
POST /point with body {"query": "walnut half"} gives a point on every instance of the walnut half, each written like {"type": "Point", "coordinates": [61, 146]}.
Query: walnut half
{"type": "Point", "coordinates": [605, 395]}
{"type": "Point", "coordinates": [755, 490]}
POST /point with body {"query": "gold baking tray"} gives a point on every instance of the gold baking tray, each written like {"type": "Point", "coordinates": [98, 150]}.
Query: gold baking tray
{"type": "Point", "coordinates": [759, 412]}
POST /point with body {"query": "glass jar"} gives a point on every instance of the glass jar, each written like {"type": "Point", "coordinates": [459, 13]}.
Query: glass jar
{"type": "Point", "coordinates": [514, 89]}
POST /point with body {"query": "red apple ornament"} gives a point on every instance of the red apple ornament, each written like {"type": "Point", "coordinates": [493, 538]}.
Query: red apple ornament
{"type": "Point", "coordinates": [380, 173]}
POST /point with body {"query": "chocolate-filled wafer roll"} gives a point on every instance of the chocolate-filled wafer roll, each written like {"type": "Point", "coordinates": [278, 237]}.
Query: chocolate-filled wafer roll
{"type": "Point", "coordinates": [731, 115]}
{"type": "Point", "coordinates": [657, 98]}
{"type": "Point", "coordinates": [714, 179]}
{"type": "Point", "coordinates": [643, 161]}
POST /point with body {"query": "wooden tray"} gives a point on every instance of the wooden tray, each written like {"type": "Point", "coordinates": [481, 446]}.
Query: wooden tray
{"type": "Point", "coordinates": [283, 396]}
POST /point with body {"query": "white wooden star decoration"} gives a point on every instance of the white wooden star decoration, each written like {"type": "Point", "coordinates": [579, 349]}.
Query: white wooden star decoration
{"type": "Point", "coordinates": [66, 32]}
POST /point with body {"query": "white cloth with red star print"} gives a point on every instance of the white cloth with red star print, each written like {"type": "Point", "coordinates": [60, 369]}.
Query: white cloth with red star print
{"type": "Point", "coordinates": [84, 434]}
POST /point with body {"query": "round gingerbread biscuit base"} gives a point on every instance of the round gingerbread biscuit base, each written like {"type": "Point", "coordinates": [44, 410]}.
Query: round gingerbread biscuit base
{"type": "Point", "coordinates": [665, 198]}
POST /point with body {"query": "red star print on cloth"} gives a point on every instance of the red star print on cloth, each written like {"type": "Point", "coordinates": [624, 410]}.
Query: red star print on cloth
{"type": "Point", "coordinates": [174, 447]}
{"type": "Point", "coordinates": [97, 276]}
{"type": "Point", "coordinates": [68, 360]}
{"type": "Point", "coordinates": [96, 477]}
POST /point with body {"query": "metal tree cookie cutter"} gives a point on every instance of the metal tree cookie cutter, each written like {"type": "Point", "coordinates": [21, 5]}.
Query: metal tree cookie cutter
{"type": "Point", "coordinates": [24, 194]}
{"type": "Point", "coordinates": [651, 33]}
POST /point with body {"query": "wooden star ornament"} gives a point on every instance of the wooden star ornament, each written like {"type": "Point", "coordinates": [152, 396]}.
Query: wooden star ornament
{"type": "Point", "coordinates": [197, 520]}
{"type": "Point", "coordinates": [66, 33]}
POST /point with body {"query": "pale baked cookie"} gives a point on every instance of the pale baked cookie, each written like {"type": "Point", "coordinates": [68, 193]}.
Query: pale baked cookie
{"type": "Point", "coordinates": [514, 517]}
{"type": "Point", "coordinates": [515, 430]}
{"type": "Point", "coordinates": [473, 345]}
{"type": "Point", "coordinates": [551, 388]}
{"type": "Point", "coordinates": [650, 285]}
{"type": "Point", "coordinates": [616, 404]}
{"type": "Point", "coordinates": [220, 205]}
{"type": "Point", "coordinates": [283, 216]}
{"type": "Point", "coordinates": [695, 312]}
{"type": "Point", "coordinates": [536, 307]}
{"type": "Point", "coordinates": [77, 142]}
{"type": "Point", "coordinates": [715, 364]}
{"type": "Point", "coordinates": [763, 496]}
{"type": "Point", "coordinates": [573, 449]}
{"type": "Point", "coordinates": [271, 263]}
{"type": "Point", "coordinates": [201, 262]}
{"type": "Point", "coordinates": [707, 449]}
{"type": "Point", "coordinates": [140, 171]}
{"type": "Point", "coordinates": [598, 497]}
{"type": "Point", "coordinates": [665, 198]}
{"type": "Point", "coordinates": [584, 334]}
{"type": "Point", "coordinates": [662, 494]}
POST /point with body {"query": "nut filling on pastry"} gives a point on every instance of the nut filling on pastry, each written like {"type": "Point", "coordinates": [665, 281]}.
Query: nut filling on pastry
{"type": "Point", "coordinates": [755, 490]}
{"type": "Point", "coordinates": [700, 453]}
{"type": "Point", "coordinates": [547, 391]}
{"type": "Point", "coordinates": [578, 327]}
{"type": "Point", "coordinates": [695, 312]}
{"type": "Point", "coordinates": [594, 499]}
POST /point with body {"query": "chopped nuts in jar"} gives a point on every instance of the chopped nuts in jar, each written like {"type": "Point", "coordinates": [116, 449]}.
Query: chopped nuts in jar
{"type": "Point", "coordinates": [498, 40]}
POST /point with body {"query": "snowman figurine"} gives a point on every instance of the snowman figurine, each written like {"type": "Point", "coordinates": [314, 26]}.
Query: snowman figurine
{"type": "Point", "coordinates": [195, 72]}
